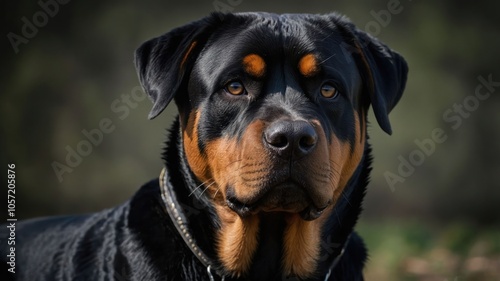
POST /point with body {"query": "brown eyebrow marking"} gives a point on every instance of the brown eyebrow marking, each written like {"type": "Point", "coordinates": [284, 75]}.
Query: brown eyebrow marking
{"type": "Point", "coordinates": [254, 65]}
{"type": "Point", "coordinates": [308, 65]}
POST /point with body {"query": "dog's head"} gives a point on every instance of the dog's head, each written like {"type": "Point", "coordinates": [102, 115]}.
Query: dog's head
{"type": "Point", "coordinates": [272, 107]}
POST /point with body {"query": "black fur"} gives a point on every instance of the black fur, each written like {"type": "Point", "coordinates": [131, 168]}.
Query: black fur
{"type": "Point", "coordinates": [137, 240]}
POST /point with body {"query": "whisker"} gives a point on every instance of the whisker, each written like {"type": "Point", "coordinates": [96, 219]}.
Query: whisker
{"type": "Point", "coordinates": [345, 197]}
{"type": "Point", "coordinates": [196, 188]}
{"type": "Point", "coordinates": [207, 188]}
{"type": "Point", "coordinates": [323, 61]}
{"type": "Point", "coordinates": [216, 192]}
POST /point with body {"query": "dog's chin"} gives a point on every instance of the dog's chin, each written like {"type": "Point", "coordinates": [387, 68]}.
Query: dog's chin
{"type": "Point", "coordinates": [284, 198]}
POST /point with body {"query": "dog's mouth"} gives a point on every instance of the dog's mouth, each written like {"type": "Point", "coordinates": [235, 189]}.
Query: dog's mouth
{"type": "Point", "coordinates": [287, 197]}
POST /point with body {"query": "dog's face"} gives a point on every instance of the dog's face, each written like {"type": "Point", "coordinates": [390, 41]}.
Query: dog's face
{"type": "Point", "coordinates": [272, 107]}
{"type": "Point", "coordinates": [272, 119]}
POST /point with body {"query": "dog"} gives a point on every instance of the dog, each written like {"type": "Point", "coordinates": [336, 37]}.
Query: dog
{"type": "Point", "coordinates": [266, 165]}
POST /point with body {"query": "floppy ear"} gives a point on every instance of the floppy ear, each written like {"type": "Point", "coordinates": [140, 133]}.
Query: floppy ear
{"type": "Point", "coordinates": [164, 62]}
{"type": "Point", "coordinates": [384, 73]}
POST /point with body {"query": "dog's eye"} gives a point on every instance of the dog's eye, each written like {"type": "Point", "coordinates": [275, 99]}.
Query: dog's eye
{"type": "Point", "coordinates": [329, 91]}
{"type": "Point", "coordinates": [235, 88]}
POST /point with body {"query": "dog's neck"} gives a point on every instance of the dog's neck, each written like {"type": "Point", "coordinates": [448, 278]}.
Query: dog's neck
{"type": "Point", "coordinates": [266, 261]}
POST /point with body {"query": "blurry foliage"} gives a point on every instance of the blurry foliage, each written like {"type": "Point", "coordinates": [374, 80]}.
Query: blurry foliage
{"type": "Point", "coordinates": [410, 250]}
{"type": "Point", "coordinates": [66, 78]}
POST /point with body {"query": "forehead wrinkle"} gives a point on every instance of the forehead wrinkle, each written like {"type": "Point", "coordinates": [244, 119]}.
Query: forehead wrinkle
{"type": "Point", "coordinates": [279, 37]}
{"type": "Point", "coordinates": [272, 38]}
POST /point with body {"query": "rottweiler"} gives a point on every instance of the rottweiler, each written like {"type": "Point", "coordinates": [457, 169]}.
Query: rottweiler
{"type": "Point", "coordinates": [265, 167]}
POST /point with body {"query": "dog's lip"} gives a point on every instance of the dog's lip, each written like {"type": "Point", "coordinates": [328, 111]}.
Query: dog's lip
{"type": "Point", "coordinates": [237, 206]}
{"type": "Point", "coordinates": [309, 212]}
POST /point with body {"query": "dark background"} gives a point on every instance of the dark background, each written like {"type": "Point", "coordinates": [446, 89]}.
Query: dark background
{"type": "Point", "coordinates": [441, 223]}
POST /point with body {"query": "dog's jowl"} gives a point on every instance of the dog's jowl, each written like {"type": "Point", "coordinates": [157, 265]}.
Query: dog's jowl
{"type": "Point", "coordinates": [265, 167]}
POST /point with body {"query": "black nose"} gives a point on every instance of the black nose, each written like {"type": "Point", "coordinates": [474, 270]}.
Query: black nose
{"type": "Point", "coordinates": [290, 138]}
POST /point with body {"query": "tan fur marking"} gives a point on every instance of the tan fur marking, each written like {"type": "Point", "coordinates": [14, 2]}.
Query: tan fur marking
{"type": "Point", "coordinates": [254, 65]}
{"type": "Point", "coordinates": [240, 164]}
{"type": "Point", "coordinates": [196, 161]}
{"type": "Point", "coordinates": [345, 158]}
{"type": "Point", "coordinates": [308, 66]}
{"type": "Point", "coordinates": [301, 246]}
{"type": "Point", "coordinates": [237, 237]}
{"type": "Point", "coordinates": [186, 55]}
{"type": "Point", "coordinates": [237, 240]}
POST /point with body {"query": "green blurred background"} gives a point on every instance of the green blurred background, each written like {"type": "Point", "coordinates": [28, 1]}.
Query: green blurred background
{"type": "Point", "coordinates": [440, 221]}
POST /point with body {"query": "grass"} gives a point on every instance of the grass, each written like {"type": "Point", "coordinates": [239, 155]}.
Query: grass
{"type": "Point", "coordinates": [414, 251]}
